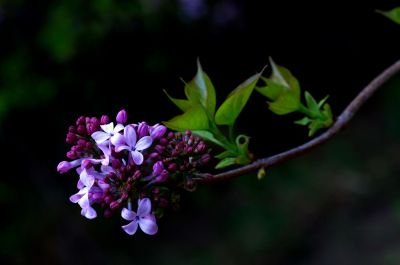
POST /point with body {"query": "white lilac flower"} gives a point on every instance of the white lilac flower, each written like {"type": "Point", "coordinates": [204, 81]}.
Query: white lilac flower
{"type": "Point", "coordinates": [135, 147]}
{"type": "Point", "coordinates": [143, 218]}
{"type": "Point", "coordinates": [109, 133]}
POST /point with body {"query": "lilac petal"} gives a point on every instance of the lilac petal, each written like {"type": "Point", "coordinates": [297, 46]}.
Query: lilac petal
{"type": "Point", "coordinates": [84, 201]}
{"type": "Point", "coordinates": [143, 143]}
{"type": "Point", "coordinates": [122, 147]}
{"type": "Point", "coordinates": [76, 197]}
{"type": "Point", "coordinates": [108, 128]}
{"type": "Point", "coordinates": [130, 228]}
{"type": "Point", "coordinates": [137, 157]}
{"type": "Point", "coordinates": [103, 185]}
{"type": "Point", "coordinates": [148, 224]}
{"type": "Point", "coordinates": [118, 128]}
{"type": "Point", "coordinates": [130, 135]}
{"type": "Point", "coordinates": [144, 207]}
{"type": "Point", "coordinates": [128, 215]}
{"type": "Point", "coordinates": [107, 169]}
{"type": "Point", "coordinates": [117, 139]}
{"type": "Point", "coordinates": [100, 137]}
{"type": "Point", "coordinates": [80, 185]}
{"type": "Point", "coordinates": [89, 213]}
{"type": "Point", "coordinates": [86, 179]}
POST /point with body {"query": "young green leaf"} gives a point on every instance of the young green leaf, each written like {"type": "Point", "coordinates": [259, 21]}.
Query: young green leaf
{"type": "Point", "coordinates": [226, 162]}
{"type": "Point", "coordinates": [282, 76]}
{"type": "Point", "coordinates": [311, 103]}
{"type": "Point", "coordinates": [194, 118]}
{"type": "Point", "coordinates": [182, 104]}
{"type": "Point", "coordinates": [201, 90]}
{"type": "Point", "coordinates": [228, 112]}
{"type": "Point", "coordinates": [272, 90]}
{"type": "Point", "coordinates": [304, 121]}
{"type": "Point", "coordinates": [286, 103]}
{"type": "Point", "coordinates": [393, 14]}
{"type": "Point", "coordinates": [322, 102]}
{"type": "Point", "coordinates": [224, 154]}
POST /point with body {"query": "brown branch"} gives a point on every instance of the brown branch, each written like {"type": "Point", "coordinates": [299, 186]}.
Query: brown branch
{"type": "Point", "coordinates": [342, 120]}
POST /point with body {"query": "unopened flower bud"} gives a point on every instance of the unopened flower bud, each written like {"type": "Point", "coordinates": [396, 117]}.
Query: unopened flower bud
{"type": "Point", "coordinates": [81, 129]}
{"type": "Point", "coordinates": [157, 131]}
{"type": "Point", "coordinates": [172, 167]}
{"type": "Point", "coordinates": [143, 129]}
{"type": "Point", "coordinates": [71, 154]}
{"type": "Point", "coordinates": [122, 116]}
{"type": "Point", "coordinates": [116, 164]}
{"type": "Point", "coordinates": [71, 137]}
{"type": "Point", "coordinates": [64, 166]}
{"type": "Point", "coordinates": [205, 158]}
{"type": "Point", "coordinates": [114, 205]}
{"type": "Point", "coordinates": [104, 120]}
{"type": "Point", "coordinates": [80, 121]}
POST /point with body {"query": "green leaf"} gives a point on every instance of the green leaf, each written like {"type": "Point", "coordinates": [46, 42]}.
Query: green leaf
{"type": "Point", "coordinates": [272, 90]}
{"type": "Point", "coordinates": [305, 121]}
{"type": "Point", "coordinates": [393, 14]}
{"type": "Point", "coordinates": [311, 103]}
{"type": "Point", "coordinates": [228, 112]}
{"type": "Point", "coordinates": [226, 162]}
{"type": "Point", "coordinates": [286, 103]}
{"type": "Point", "coordinates": [208, 136]}
{"type": "Point", "coordinates": [282, 76]}
{"type": "Point", "coordinates": [182, 104]}
{"type": "Point", "coordinates": [194, 118]}
{"type": "Point", "coordinates": [322, 102]}
{"type": "Point", "coordinates": [224, 154]}
{"type": "Point", "coordinates": [201, 90]}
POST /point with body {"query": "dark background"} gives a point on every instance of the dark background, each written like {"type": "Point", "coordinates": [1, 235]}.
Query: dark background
{"type": "Point", "coordinates": [339, 204]}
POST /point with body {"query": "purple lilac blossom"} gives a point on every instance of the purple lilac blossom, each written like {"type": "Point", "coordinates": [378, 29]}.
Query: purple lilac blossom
{"type": "Point", "coordinates": [135, 147]}
{"type": "Point", "coordinates": [143, 218]}
{"type": "Point", "coordinates": [109, 133]}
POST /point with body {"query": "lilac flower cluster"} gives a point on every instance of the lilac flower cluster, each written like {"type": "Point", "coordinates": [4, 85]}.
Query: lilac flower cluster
{"type": "Point", "coordinates": [121, 163]}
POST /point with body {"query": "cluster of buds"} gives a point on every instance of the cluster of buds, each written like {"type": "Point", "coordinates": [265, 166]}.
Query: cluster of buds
{"type": "Point", "coordinates": [131, 162]}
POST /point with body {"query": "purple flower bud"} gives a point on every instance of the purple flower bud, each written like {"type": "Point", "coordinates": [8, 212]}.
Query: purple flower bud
{"type": "Point", "coordinates": [104, 120]}
{"type": "Point", "coordinates": [72, 129]}
{"type": "Point", "coordinates": [162, 177]}
{"type": "Point", "coordinates": [156, 190]}
{"type": "Point", "coordinates": [189, 149]}
{"type": "Point", "coordinates": [159, 148]}
{"type": "Point", "coordinates": [157, 131]}
{"type": "Point", "coordinates": [82, 143]}
{"type": "Point", "coordinates": [80, 121]}
{"type": "Point", "coordinates": [108, 199]}
{"type": "Point", "coordinates": [154, 156]}
{"type": "Point", "coordinates": [71, 137]}
{"type": "Point", "coordinates": [81, 129]}
{"type": "Point", "coordinates": [143, 130]}
{"type": "Point", "coordinates": [71, 154]}
{"type": "Point", "coordinates": [201, 147]}
{"type": "Point", "coordinates": [163, 141]}
{"type": "Point", "coordinates": [158, 167]}
{"type": "Point", "coordinates": [171, 135]}
{"type": "Point", "coordinates": [64, 166]}
{"type": "Point", "coordinates": [122, 116]}
{"type": "Point", "coordinates": [172, 167]}
{"type": "Point", "coordinates": [114, 205]}
{"type": "Point", "coordinates": [137, 174]}
{"type": "Point", "coordinates": [205, 158]}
